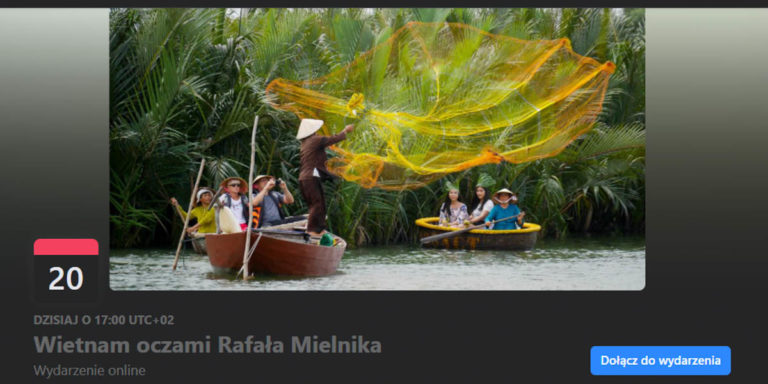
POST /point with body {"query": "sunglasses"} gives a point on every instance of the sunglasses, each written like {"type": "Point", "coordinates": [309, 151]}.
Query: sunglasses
{"type": "Point", "coordinates": [234, 185]}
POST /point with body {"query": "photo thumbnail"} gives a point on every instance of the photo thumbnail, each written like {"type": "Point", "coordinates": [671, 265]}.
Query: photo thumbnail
{"type": "Point", "coordinates": [377, 149]}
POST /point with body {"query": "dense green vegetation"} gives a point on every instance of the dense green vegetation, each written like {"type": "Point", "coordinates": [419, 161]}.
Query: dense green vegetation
{"type": "Point", "coordinates": [187, 83]}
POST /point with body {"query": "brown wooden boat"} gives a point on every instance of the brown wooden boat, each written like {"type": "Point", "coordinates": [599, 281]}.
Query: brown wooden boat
{"type": "Point", "coordinates": [276, 253]}
{"type": "Point", "coordinates": [513, 239]}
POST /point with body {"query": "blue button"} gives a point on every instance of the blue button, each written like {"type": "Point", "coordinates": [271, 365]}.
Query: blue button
{"type": "Point", "coordinates": [660, 360]}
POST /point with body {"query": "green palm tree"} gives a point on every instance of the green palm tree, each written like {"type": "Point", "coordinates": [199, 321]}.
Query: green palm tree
{"type": "Point", "coordinates": [186, 84]}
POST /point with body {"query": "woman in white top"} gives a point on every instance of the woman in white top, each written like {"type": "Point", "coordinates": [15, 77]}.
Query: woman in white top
{"type": "Point", "coordinates": [236, 199]}
{"type": "Point", "coordinates": [482, 203]}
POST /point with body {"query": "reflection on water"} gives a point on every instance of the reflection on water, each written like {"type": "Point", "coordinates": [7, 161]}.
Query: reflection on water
{"type": "Point", "coordinates": [574, 264]}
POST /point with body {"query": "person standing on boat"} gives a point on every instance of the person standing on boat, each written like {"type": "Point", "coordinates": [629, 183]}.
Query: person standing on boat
{"type": "Point", "coordinates": [236, 199]}
{"type": "Point", "coordinates": [453, 213]}
{"type": "Point", "coordinates": [267, 202]}
{"type": "Point", "coordinates": [313, 171]}
{"type": "Point", "coordinates": [507, 207]}
{"type": "Point", "coordinates": [206, 219]}
{"type": "Point", "coordinates": [482, 202]}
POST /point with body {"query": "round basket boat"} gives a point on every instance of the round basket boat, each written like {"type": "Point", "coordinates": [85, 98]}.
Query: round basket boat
{"type": "Point", "coordinates": [512, 239]}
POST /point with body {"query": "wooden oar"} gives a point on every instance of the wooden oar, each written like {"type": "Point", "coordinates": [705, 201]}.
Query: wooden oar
{"type": "Point", "coordinates": [248, 252]}
{"type": "Point", "coordinates": [175, 208]}
{"type": "Point", "coordinates": [186, 220]}
{"type": "Point", "coordinates": [181, 216]}
{"type": "Point", "coordinates": [215, 202]}
{"type": "Point", "coordinates": [447, 235]}
{"type": "Point", "coordinates": [215, 198]}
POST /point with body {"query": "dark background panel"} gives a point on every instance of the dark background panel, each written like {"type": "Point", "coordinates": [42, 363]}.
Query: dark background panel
{"type": "Point", "coordinates": [706, 114]}
{"type": "Point", "coordinates": [392, 4]}
{"type": "Point", "coordinates": [707, 91]}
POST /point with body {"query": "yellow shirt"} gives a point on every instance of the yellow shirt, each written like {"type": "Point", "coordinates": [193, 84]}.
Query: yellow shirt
{"type": "Point", "coordinates": [206, 218]}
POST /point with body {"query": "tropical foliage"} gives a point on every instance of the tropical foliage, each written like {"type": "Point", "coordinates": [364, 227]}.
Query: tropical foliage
{"type": "Point", "coordinates": [187, 83]}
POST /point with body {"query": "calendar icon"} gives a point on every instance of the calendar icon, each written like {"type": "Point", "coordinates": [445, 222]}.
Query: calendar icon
{"type": "Point", "coordinates": [65, 270]}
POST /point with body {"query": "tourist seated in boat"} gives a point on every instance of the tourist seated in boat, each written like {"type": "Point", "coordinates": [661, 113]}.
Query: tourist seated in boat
{"type": "Point", "coordinates": [313, 171]}
{"type": "Point", "coordinates": [206, 219]}
{"type": "Point", "coordinates": [482, 201]}
{"type": "Point", "coordinates": [236, 199]}
{"type": "Point", "coordinates": [268, 203]}
{"type": "Point", "coordinates": [453, 213]}
{"type": "Point", "coordinates": [506, 207]}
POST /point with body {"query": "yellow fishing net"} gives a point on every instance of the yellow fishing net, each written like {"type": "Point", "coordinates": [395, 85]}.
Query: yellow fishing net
{"type": "Point", "coordinates": [437, 98]}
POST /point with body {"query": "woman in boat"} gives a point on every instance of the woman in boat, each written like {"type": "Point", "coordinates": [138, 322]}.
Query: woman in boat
{"type": "Point", "coordinates": [313, 171]}
{"type": "Point", "coordinates": [206, 219]}
{"type": "Point", "coordinates": [507, 207]}
{"type": "Point", "coordinates": [482, 202]}
{"type": "Point", "coordinates": [236, 199]}
{"type": "Point", "coordinates": [453, 213]}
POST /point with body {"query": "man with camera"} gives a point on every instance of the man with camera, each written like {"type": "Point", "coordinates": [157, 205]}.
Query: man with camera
{"type": "Point", "coordinates": [267, 202]}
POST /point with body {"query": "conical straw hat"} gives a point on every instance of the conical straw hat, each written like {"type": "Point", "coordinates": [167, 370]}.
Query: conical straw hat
{"type": "Point", "coordinates": [259, 177]}
{"type": "Point", "coordinates": [256, 181]}
{"type": "Point", "coordinates": [503, 190]}
{"type": "Point", "coordinates": [243, 183]}
{"type": "Point", "coordinates": [308, 127]}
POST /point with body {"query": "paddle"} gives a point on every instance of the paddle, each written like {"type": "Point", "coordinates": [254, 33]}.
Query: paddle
{"type": "Point", "coordinates": [215, 198]}
{"type": "Point", "coordinates": [448, 235]}
{"type": "Point", "coordinates": [246, 254]}
{"type": "Point", "coordinates": [189, 209]}
{"type": "Point", "coordinates": [181, 216]}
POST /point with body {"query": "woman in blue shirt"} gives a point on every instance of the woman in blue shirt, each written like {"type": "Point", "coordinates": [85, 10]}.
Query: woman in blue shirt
{"type": "Point", "coordinates": [506, 207]}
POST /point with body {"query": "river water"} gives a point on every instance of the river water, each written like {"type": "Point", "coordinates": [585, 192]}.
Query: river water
{"type": "Point", "coordinates": [574, 264]}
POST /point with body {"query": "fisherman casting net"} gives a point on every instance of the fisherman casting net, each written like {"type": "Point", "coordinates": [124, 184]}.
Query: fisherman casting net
{"type": "Point", "coordinates": [437, 98]}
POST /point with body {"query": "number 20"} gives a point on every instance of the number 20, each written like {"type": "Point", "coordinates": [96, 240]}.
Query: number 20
{"type": "Point", "coordinates": [70, 284]}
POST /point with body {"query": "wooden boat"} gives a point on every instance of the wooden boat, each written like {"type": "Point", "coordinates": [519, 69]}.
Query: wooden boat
{"type": "Point", "coordinates": [515, 239]}
{"type": "Point", "coordinates": [198, 244]}
{"type": "Point", "coordinates": [276, 253]}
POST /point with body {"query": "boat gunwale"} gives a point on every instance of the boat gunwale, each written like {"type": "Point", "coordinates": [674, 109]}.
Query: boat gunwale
{"type": "Point", "coordinates": [287, 238]}
{"type": "Point", "coordinates": [426, 222]}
